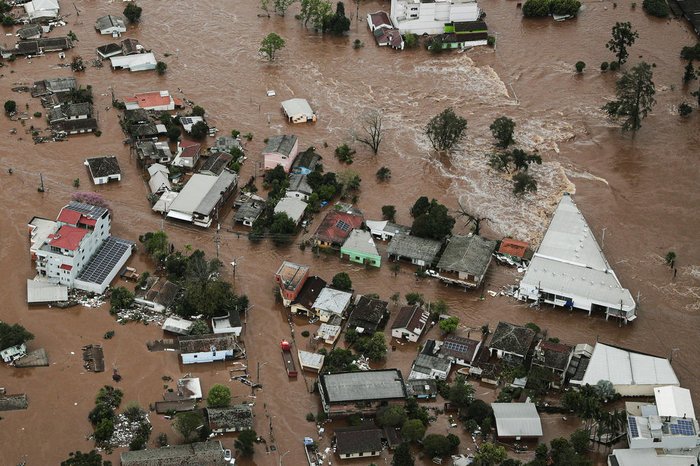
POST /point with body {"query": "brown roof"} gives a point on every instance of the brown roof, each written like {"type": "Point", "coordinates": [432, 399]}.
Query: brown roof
{"type": "Point", "coordinates": [310, 291]}
{"type": "Point", "coordinates": [512, 338]}
{"type": "Point", "coordinates": [411, 318]}
{"type": "Point", "coordinates": [554, 355]}
{"type": "Point", "coordinates": [368, 313]}
{"type": "Point", "coordinates": [358, 439]}
{"type": "Point", "coordinates": [513, 247]}
{"type": "Point", "coordinates": [459, 347]}
{"type": "Point", "coordinates": [200, 343]}
{"type": "Point", "coordinates": [380, 18]}
{"type": "Point", "coordinates": [389, 36]}
{"type": "Point", "coordinates": [290, 274]}
{"type": "Point", "coordinates": [336, 226]}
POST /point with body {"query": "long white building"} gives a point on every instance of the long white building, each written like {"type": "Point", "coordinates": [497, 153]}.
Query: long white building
{"type": "Point", "coordinates": [77, 250]}
{"type": "Point", "coordinates": [431, 16]}
{"type": "Point", "coordinates": [570, 270]}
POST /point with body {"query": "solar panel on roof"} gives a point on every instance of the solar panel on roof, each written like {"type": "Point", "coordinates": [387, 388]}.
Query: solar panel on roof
{"type": "Point", "coordinates": [451, 345]}
{"type": "Point", "coordinates": [104, 261]}
{"type": "Point", "coordinates": [634, 431]}
{"type": "Point", "coordinates": [342, 225]}
{"type": "Point", "coordinates": [683, 427]}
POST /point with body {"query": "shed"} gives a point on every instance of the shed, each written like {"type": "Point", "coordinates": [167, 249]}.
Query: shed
{"type": "Point", "coordinates": [230, 323]}
{"type": "Point", "coordinates": [517, 420]}
{"type": "Point", "coordinates": [298, 111]}
{"type": "Point", "coordinates": [104, 169]}
{"type": "Point", "coordinates": [422, 388]}
{"type": "Point", "coordinates": [249, 211]}
{"type": "Point", "coordinates": [513, 248]}
{"type": "Point", "coordinates": [311, 361]}
{"type": "Point", "coordinates": [420, 251]}
{"type": "Point", "coordinates": [39, 292]}
{"type": "Point", "coordinates": [359, 247]}
{"type": "Point", "coordinates": [361, 392]}
{"type": "Point", "coordinates": [328, 333]}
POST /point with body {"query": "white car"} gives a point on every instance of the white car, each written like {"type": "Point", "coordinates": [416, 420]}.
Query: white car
{"type": "Point", "coordinates": [229, 457]}
{"type": "Point", "coordinates": [432, 273]}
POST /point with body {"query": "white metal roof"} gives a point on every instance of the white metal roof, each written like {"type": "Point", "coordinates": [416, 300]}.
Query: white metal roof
{"type": "Point", "coordinates": [674, 401]}
{"type": "Point", "coordinates": [517, 420]}
{"type": "Point", "coordinates": [653, 457]}
{"type": "Point", "coordinates": [623, 367]}
{"type": "Point", "coordinates": [294, 107]}
{"type": "Point", "coordinates": [157, 167]}
{"type": "Point", "coordinates": [293, 207]}
{"type": "Point", "coordinates": [193, 193]}
{"type": "Point", "coordinates": [331, 300]}
{"type": "Point", "coordinates": [311, 360]}
{"type": "Point", "coordinates": [178, 325]}
{"type": "Point", "coordinates": [39, 291]}
{"type": "Point", "coordinates": [137, 62]}
{"type": "Point", "coordinates": [159, 180]}
{"type": "Point", "coordinates": [361, 241]}
{"type": "Point", "coordinates": [166, 200]}
{"type": "Point", "coordinates": [569, 262]}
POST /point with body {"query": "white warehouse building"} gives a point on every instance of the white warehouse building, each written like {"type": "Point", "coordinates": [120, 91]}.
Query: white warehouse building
{"type": "Point", "coordinates": [431, 16]}
{"type": "Point", "coordinates": [570, 270]}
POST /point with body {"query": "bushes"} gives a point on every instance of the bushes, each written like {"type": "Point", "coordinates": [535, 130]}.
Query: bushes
{"type": "Point", "coordinates": [691, 52]}
{"type": "Point", "coordinates": [684, 109]}
{"type": "Point", "coordinates": [580, 66]}
{"type": "Point", "coordinates": [604, 66]}
{"type": "Point", "coordinates": [658, 8]}
{"type": "Point", "coordinates": [541, 8]}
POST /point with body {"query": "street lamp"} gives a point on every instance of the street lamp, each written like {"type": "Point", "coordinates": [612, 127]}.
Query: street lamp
{"type": "Point", "coordinates": [234, 263]}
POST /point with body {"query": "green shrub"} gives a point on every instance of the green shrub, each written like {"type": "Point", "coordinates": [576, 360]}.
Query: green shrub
{"type": "Point", "coordinates": [491, 40]}
{"type": "Point", "coordinates": [604, 66]}
{"type": "Point", "coordinates": [536, 8]}
{"type": "Point", "coordinates": [684, 109]}
{"type": "Point", "coordinates": [658, 8]}
{"type": "Point", "coordinates": [580, 66]}
{"type": "Point", "coordinates": [305, 333]}
{"type": "Point", "coordinates": [614, 66]}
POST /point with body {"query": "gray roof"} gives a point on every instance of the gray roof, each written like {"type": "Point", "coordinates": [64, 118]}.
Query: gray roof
{"type": "Point", "coordinates": [294, 208]}
{"type": "Point", "coordinates": [88, 210]}
{"type": "Point", "coordinates": [109, 49]}
{"type": "Point", "coordinates": [209, 453]}
{"type": "Point", "coordinates": [517, 420]}
{"type": "Point", "coordinates": [512, 338]}
{"type": "Point", "coordinates": [30, 30]}
{"type": "Point", "coordinates": [45, 292]}
{"type": "Point", "coordinates": [424, 363]}
{"type": "Point", "coordinates": [368, 313]}
{"type": "Point", "coordinates": [201, 343]}
{"type": "Point", "coordinates": [104, 261]}
{"type": "Point", "coordinates": [365, 385]}
{"type": "Point", "coordinates": [203, 192]}
{"type": "Point", "coordinates": [239, 417]}
{"type": "Point", "coordinates": [250, 210]}
{"type": "Point", "coordinates": [103, 166]}
{"type": "Point", "coordinates": [109, 21]}
{"type": "Point", "coordinates": [225, 144]}
{"type": "Point", "coordinates": [79, 109]}
{"type": "Point", "coordinates": [55, 85]}
{"type": "Point", "coordinates": [360, 241]}
{"type": "Point", "coordinates": [83, 124]}
{"type": "Point", "coordinates": [359, 439]}
{"type": "Point", "coordinates": [298, 183]}
{"type": "Point", "coordinates": [467, 254]}
{"type": "Point", "coordinates": [281, 144]}
{"type": "Point", "coordinates": [418, 387]}
{"type": "Point", "coordinates": [332, 300]}
{"type": "Point", "coordinates": [414, 247]}
{"type": "Point", "coordinates": [216, 163]}
{"type": "Point", "coordinates": [293, 107]}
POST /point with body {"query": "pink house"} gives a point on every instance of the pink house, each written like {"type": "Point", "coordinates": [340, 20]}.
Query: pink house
{"type": "Point", "coordinates": [281, 150]}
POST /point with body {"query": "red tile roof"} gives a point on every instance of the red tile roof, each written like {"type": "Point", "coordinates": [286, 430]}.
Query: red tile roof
{"type": "Point", "coordinates": [556, 347]}
{"type": "Point", "coordinates": [389, 36]}
{"type": "Point", "coordinates": [150, 99]}
{"type": "Point", "coordinates": [66, 267]}
{"type": "Point", "coordinates": [68, 237]}
{"type": "Point", "coordinates": [333, 230]}
{"type": "Point", "coordinates": [189, 148]}
{"type": "Point", "coordinates": [380, 18]}
{"type": "Point", "coordinates": [513, 248]}
{"type": "Point", "coordinates": [69, 216]}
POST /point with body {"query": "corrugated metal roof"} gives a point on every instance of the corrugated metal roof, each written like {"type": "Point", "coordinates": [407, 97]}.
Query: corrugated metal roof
{"type": "Point", "coordinates": [625, 367]}
{"type": "Point", "coordinates": [674, 401]}
{"type": "Point", "coordinates": [365, 385]}
{"type": "Point", "coordinates": [517, 420]}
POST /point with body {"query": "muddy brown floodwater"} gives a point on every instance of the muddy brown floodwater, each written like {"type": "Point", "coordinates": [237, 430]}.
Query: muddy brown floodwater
{"type": "Point", "coordinates": [640, 189]}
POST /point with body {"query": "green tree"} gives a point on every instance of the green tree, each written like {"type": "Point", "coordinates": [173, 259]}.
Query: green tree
{"type": "Point", "coordinates": [565, 7]}
{"type": "Point", "coordinates": [580, 66]}
{"type": "Point", "coordinates": [523, 183]}
{"type": "Point", "coordinates": [188, 423]}
{"type": "Point", "coordinates": [270, 45]}
{"type": "Point", "coordinates": [450, 324]}
{"type": "Point", "coordinates": [281, 6]}
{"type": "Point", "coordinates": [689, 73]}
{"type": "Point", "coordinates": [344, 153]}
{"type": "Point", "coordinates": [11, 335]}
{"type": "Point", "coordinates": [121, 298]}
{"type": "Point", "coordinates": [622, 37]}
{"type": "Point", "coordinates": [79, 458]}
{"type": "Point", "coordinates": [413, 430]}
{"type": "Point", "coordinates": [109, 396]}
{"type": "Point", "coordinates": [436, 445]}
{"type": "Point", "coordinates": [536, 8]}
{"type": "Point", "coordinates": [173, 133]}
{"type": "Point", "coordinates": [461, 393]}
{"type": "Point", "coordinates": [490, 455]}
{"type": "Point", "coordinates": [391, 416]}
{"type": "Point", "coordinates": [341, 281]}
{"type": "Point", "coordinates": [219, 396]}
{"type": "Point", "coordinates": [658, 8]}
{"type": "Point", "coordinates": [562, 453]}
{"type": "Point", "coordinates": [245, 443]}
{"type": "Point", "coordinates": [10, 106]}
{"type": "Point", "coordinates": [315, 11]}
{"type": "Point", "coordinates": [420, 207]}
{"type": "Point", "coordinates": [339, 360]}
{"type": "Point", "coordinates": [199, 130]}
{"type": "Point", "coordinates": [579, 441]}
{"type": "Point", "coordinates": [198, 111]}
{"type": "Point", "coordinates": [402, 456]}
{"type": "Point", "coordinates": [132, 12]}
{"type": "Point", "coordinates": [383, 174]}
{"type": "Point", "coordinates": [156, 244]}
{"type": "Point", "coordinates": [502, 129]}
{"type": "Point", "coordinates": [373, 347]}
{"type": "Point", "coordinates": [414, 298]}
{"type": "Point", "coordinates": [635, 97]}
{"type": "Point", "coordinates": [436, 223]}
{"type": "Point", "coordinates": [445, 130]}
{"type": "Point", "coordinates": [104, 431]}
{"type": "Point", "coordinates": [389, 213]}
{"type": "Point", "coordinates": [410, 40]}
{"type": "Point", "coordinates": [282, 228]}
{"type": "Point", "coordinates": [337, 24]}
{"type": "Point", "coordinates": [479, 411]}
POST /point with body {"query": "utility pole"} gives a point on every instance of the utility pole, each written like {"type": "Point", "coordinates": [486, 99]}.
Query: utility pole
{"type": "Point", "coordinates": [41, 179]}
{"type": "Point", "coordinates": [217, 239]}
{"type": "Point", "coordinates": [602, 239]}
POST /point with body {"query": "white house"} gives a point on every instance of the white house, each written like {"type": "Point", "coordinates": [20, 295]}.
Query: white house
{"type": "Point", "coordinates": [111, 24]}
{"type": "Point", "coordinates": [630, 372]}
{"type": "Point", "coordinates": [230, 323]}
{"type": "Point", "coordinates": [517, 420]}
{"type": "Point", "coordinates": [79, 252]}
{"type": "Point", "coordinates": [410, 323]}
{"type": "Point", "coordinates": [9, 355]}
{"type": "Point", "coordinates": [570, 270]}
{"type": "Point", "coordinates": [188, 153]}
{"type": "Point", "coordinates": [160, 101]}
{"type": "Point", "coordinates": [38, 10]}
{"type": "Point", "coordinates": [298, 187]}
{"type": "Point", "coordinates": [294, 208]}
{"type": "Point", "coordinates": [178, 325]}
{"type": "Point", "coordinates": [648, 428]}
{"type": "Point", "coordinates": [385, 230]}
{"type": "Point", "coordinates": [331, 302]}
{"type": "Point", "coordinates": [358, 442]}
{"type": "Point", "coordinates": [426, 366]}
{"type": "Point", "coordinates": [137, 62]}
{"type": "Point", "coordinates": [188, 122]}
{"type": "Point", "coordinates": [159, 181]}
{"type": "Point", "coordinates": [298, 111]}
{"type": "Point", "coordinates": [196, 349]}
{"type": "Point", "coordinates": [199, 201]}
{"type": "Point", "coordinates": [104, 169]}
{"type": "Point", "coordinates": [421, 17]}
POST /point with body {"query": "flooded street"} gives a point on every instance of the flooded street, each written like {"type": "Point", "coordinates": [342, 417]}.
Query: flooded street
{"type": "Point", "coordinates": [641, 190]}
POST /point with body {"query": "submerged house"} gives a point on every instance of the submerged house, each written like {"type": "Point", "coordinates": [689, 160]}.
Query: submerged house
{"type": "Point", "coordinates": [335, 228]}
{"type": "Point", "coordinates": [554, 357]}
{"type": "Point", "coordinates": [465, 260]}
{"type": "Point", "coordinates": [234, 418]}
{"type": "Point", "coordinates": [368, 315]}
{"type": "Point", "coordinates": [359, 247]}
{"type": "Point", "coordinates": [188, 153]}
{"type": "Point", "coordinates": [304, 302]}
{"type": "Point", "coordinates": [385, 230]}
{"type": "Point", "coordinates": [136, 62]}
{"type": "Point", "coordinates": [511, 342]}
{"type": "Point", "coordinates": [358, 442]}
{"type": "Point", "coordinates": [298, 111]}
{"type": "Point", "coordinates": [280, 150]}
{"type": "Point", "coordinates": [347, 393]}
{"type": "Point", "coordinates": [160, 101]}
{"type": "Point", "coordinates": [570, 270]}
{"type": "Point", "coordinates": [208, 348]}
{"type": "Point", "coordinates": [292, 207]}
{"type": "Point", "coordinates": [111, 24]}
{"type": "Point", "coordinates": [410, 323]}
{"type": "Point", "coordinates": [290, 278]}
{"type": "Point", "coordinates": [202, 197]}
{"type": "Point", "coordinates": [249, 211]}
{"type": "Point", "coordinates": [41, 10]}
{"type": "Point", "coordinates": [331, 302]}
{"type": "Point", "coordinates": [104, 169]}
{"type": "Point", "coordinates": [421, 17]}
{"type": "Point", "coordinates": [420, 251]}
